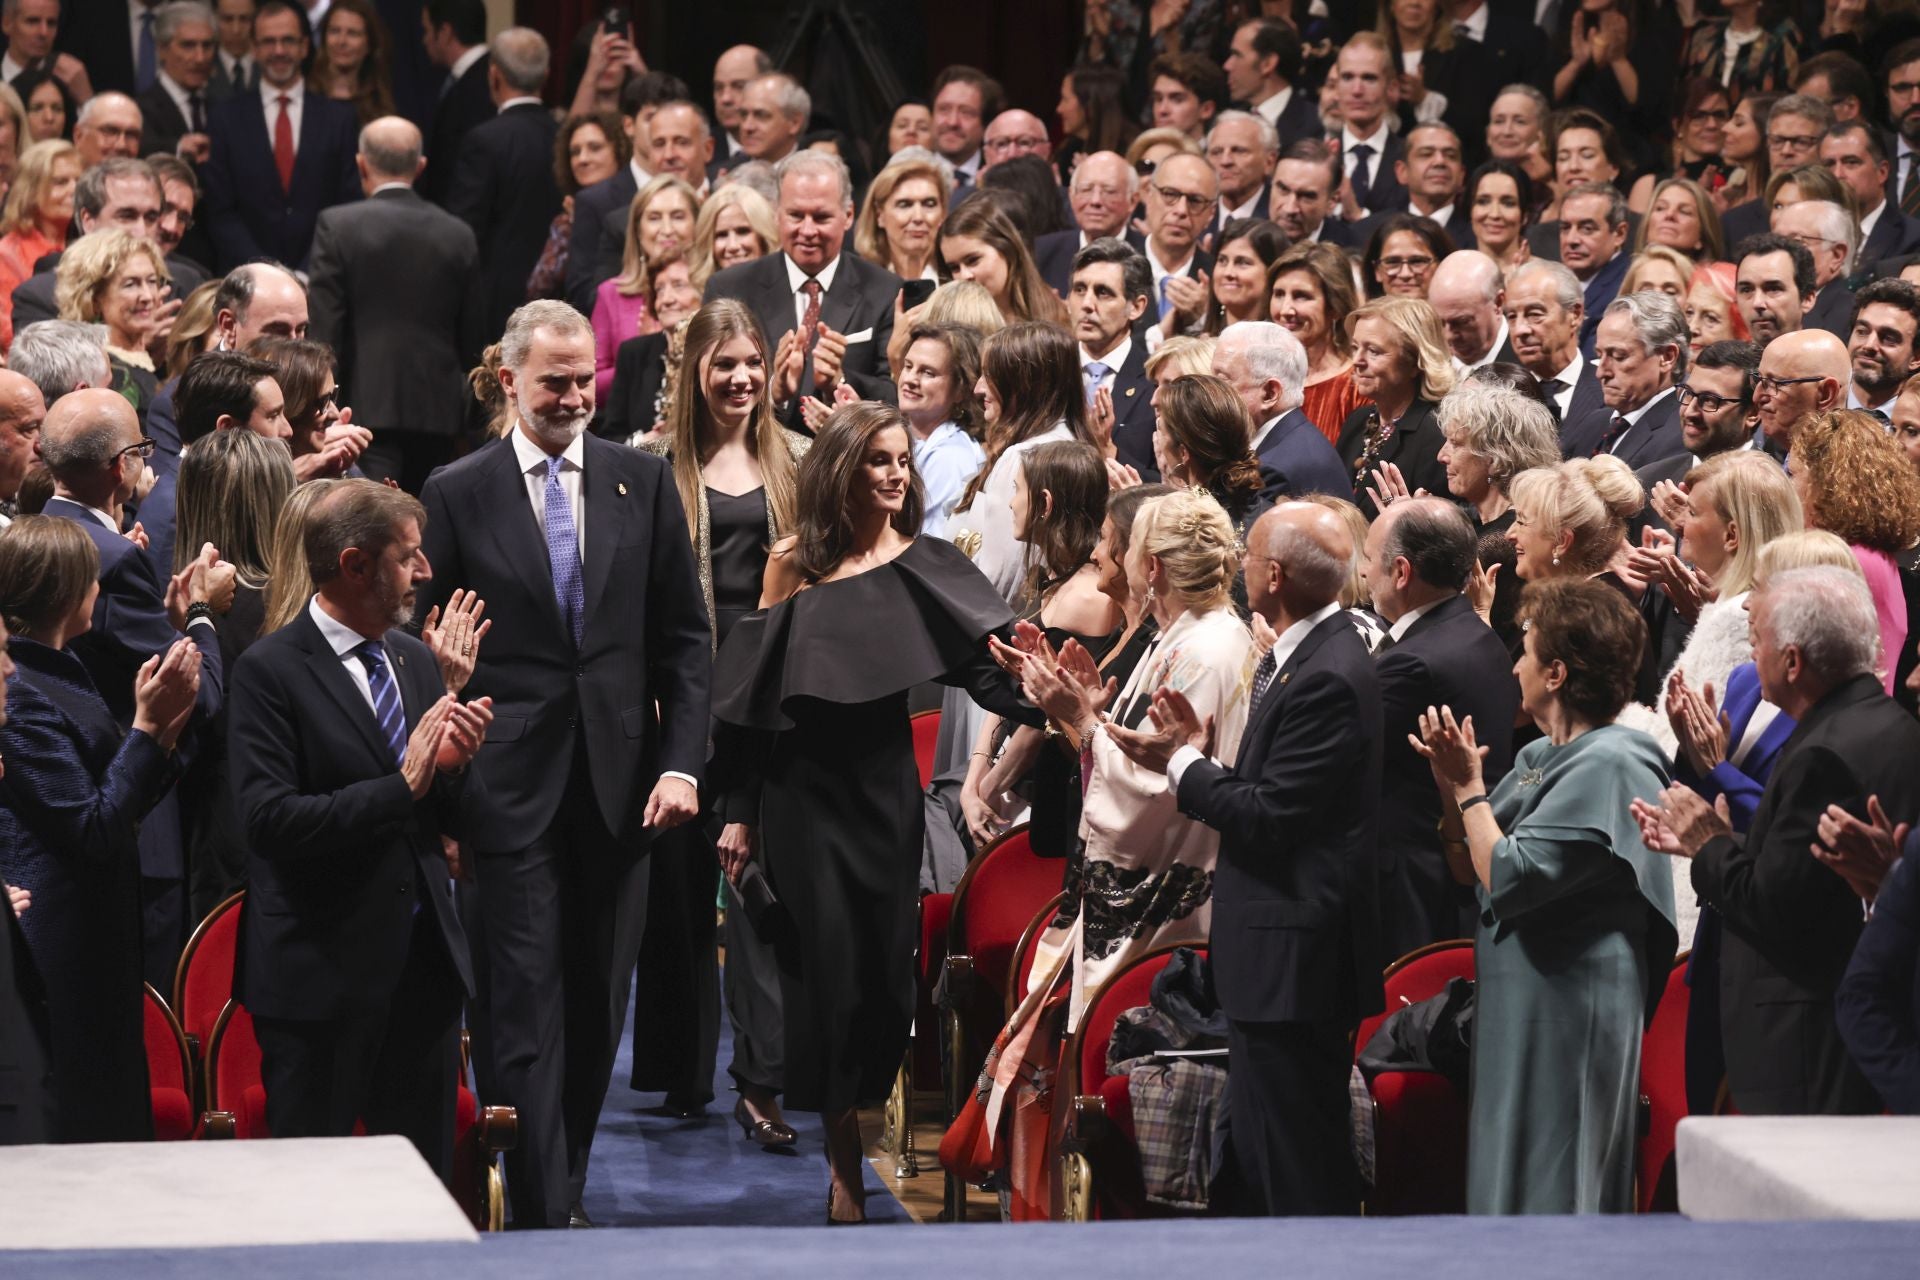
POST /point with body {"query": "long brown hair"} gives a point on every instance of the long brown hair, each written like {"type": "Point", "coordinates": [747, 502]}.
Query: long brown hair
{"type": "Point", "coordinates": [373, 94]}
{"type": "Point", "coordinates": [1028, 295]}
{"type": "Point", "coordinates": [823, 527]}
{"type": "Point", "coordinates": [688, 419]}
{"type": "Point", "coordinates": [1034, 370]}
{"type": "Point", "coordinates": [1205, 416]}
{"type": "Point", "coordinates": [1061, 538]}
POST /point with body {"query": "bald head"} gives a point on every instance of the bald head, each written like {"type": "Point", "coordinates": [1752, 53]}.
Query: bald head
{"type": "Point", "coordinates": [21, 412]}
{"type": "Point", "coordinates": [1467, 293]}
{"type": "Point", "coordinates": [108, 125]}
{"type": "Point", "coordinates": [1805, 353]}
{"type": "Point", "coordinates": [389, 152]}
{"type": "Point", "coordinates": [1016, 133]}
{"type": "Point", "coordinates": [259, 300]}
{"type": "Point", "coordinates": [1309, 558]}
{"type": "Point", "coordinates": [1102, 192]}
{"type": "Point", "coordinates": [84, 441]}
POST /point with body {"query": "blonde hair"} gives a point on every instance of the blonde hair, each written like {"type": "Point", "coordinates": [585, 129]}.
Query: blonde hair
{"type": "Point", "coordinates": [192, 328]}
{"type": "Point", "coordinates": [760, 217]}
{"type": "Point", "coordinates": [31, 178]}
{"type": "Point", "coordinates": [1180, 142]}
{"type": "Point", "coordinates": [967, 304]}
{"type": "Point", "coordinates": [1354, 595]}
{"type": "Point", "coordinates": [1756, 499]}
{"type": "Point", "coordinates": [1417, 325]}
{"type": "Point", "coordinates": [1188, 357]}
{"type": "Point", "coordinates": [1648, 254]}
{"type": "Point", "coordinates": [633, 263]}
{"type": "Point", "coordinates": [1807, 549]}
{"type": "Point", "coordinates": [869, 240]}
{"type": "Point", "coordinates": [1189, 533]}
{"type": "Point", "coordinates": [90, 262]}
{"type": "Point", "coordinates": [1593, 498]}
{"type": "Point", "coordinates": [289, 581]}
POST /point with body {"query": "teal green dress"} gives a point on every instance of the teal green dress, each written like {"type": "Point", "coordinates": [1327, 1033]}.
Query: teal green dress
{"type": "Point", "coordinates": [1575, 941]}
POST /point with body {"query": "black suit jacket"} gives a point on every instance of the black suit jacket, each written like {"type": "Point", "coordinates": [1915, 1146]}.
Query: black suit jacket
{"type": "Point", "coordinates": [1304, 458]}
{"type": "Point", "coordinates": [1458, 226]}
{"type": "Point", "coordinates": [1655, 436]}
{"type": "Point", "coordinates": [1448, 658]}
{"type": "Point", "coordinates": [26, 1087]}
{"type": "Point", "coordinates": [1832, 309]}
{"type": "Point", "coordinates": [1301, 119]}
{"type": "Point", "coordinates": [633, 696]}
{"type": "Point", "coordinates": [1384, 191]}
{"type": "Point", "coordinates": [590, 209]}
{"type": "Point", "coordinates": [1741, 221]}
{"type": "Point", "coordinates": [1414, 447]}
{"type": "Point", "coordinates": [248, 213]}
{"type": "Point", "coordinates": [462, 109]}
{"type": "Point", "coordinates": [1790, 923]}
{"type": "Point", "coordinates": [395, 292]}
{"type": "Point", "coordinates": [1520, 49]}
{"type": "Point", "coordinates": [340, 854]}
{"type": "Point", "coordinates": [858, 304]}
{"type": "Point", "coordinates": [1878, 1004]}
{"type": "Point", "coordinates": [1053, 255]}
{"type": "Point", "coordinates": [503, 188]}
{"type": "Point", "coordinates": [1134, 420]}
{"type": "Point", "coordinates": [1295, 893]}
{"type": "Point", "coordinates": [1894, 236]}
{"type": "Point", "coordinates": [99, 34]}
{"type": "Point", "coordinates": [161, 124]}
{"type": "Point", "coordinates": [639, 368]}
{"type": "Point", "coordinates": [223, 85]}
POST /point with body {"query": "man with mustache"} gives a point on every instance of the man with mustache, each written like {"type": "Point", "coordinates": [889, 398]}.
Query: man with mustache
{"type": "Point", "coordinates": [598, 664]}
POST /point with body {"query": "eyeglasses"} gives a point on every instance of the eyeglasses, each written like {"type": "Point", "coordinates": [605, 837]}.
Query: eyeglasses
{"type": "Point", "coordinates": [1799, 142]}
{"type": "Point", "coordinates": [1767, 382]}
{"type": "Point", "coordinates": [1405, 266]}
{"type": "Point", "coordinates": [1196, 203]}
{"type": "Point", "coordinates": [143, 450]}
{"type": "Point", "coordinates": [1709, 402]}
{"type": "Point", "coordinates": [997, 145]}
{"type": "Point", "coordinates": [1713, 117]}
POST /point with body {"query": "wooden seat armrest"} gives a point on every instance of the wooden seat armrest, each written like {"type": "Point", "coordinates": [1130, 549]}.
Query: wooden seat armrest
{"type": "Point", "coordinates": [217, 1124]}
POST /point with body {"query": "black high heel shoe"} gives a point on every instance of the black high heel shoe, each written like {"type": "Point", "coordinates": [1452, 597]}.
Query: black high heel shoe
{"type": "Point", "coordinates": [765, 1132]}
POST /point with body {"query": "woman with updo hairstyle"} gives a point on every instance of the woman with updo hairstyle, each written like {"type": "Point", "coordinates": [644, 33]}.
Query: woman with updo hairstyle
{"type": "Point", "coordinates": [1492, 435]}
{"type": "Point", "coordinates": [1143, 879]}
{"type": "Point", "coordinates": [1310, 294]}
{"type": "Point", "coordinates": [1202, 439]}
{"type": "Point", "coordinates": [1576, 929]}
{"type": "Point", "coordinates": [75, 789]}
{"type": "Point", "coordinates": [811, 697]}
{"type": "Point", "coordinates": [1854, 481]}
{"type": "Point", "coordinates": [1400, 363]}
{"type": "Point", "coordinates": [1570, 519]}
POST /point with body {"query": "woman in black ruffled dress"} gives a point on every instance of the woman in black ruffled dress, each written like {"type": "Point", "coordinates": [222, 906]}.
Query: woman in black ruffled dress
{"type": "Point", "coordinates": [813, 692]}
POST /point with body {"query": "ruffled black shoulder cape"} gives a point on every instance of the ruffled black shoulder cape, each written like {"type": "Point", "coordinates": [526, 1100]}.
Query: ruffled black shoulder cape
{"type": "Point", "coordinates": [916, 618]}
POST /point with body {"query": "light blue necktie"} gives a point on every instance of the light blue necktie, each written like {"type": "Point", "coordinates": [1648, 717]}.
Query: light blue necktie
{"type": "Point", "coordinates": [563, 554]}
{"type": "Point", "coordinates": [144, 74]}
{"type": "Point", "coordinates": [1096, 374]}
{"type": "Point", "coordinates": [386, 698]}
{"type": "Point", "coordinates": [1165, 304]}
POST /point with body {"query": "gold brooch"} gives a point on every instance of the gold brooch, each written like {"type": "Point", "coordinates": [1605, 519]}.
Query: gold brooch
{"type": "Point", "coordinates": [968, 540]}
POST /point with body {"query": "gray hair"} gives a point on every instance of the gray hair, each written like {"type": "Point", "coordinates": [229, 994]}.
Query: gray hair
{"type": "Point", "coordinates": [1657, 322]}
{"type": "Point", "coordinates": [793, 100]}
{"type": "Point", "coordinates": [1827, 614]}
{"type": "Point", "coordinates": [699, 116]}
{"type": "Point", "coordinates": [86, 444]}
{"type": "Point", "coordinates": [1319, 573]}
{"type": "Point", "coordinates": [1269, 136]}
{"type": "Point", "coordinates": [1131, 174]}
{"type": "Point", "coordinates": [1273, 355]}
{"type": "Point", "coordinates": [516, 344]}
{"type": "Point", "coordinates": [520, 54]}
{"type": "Point", "coordinates": [90, 193]}
{"type": "Point", "coordinates": [1531, 94]}
{"type": "Point", "coordinates": [1567, 289]}
{"type": "Point", "coordinates": [59, 356]}
{"type": "Point", "coordinates": [1837, 225]}
{"type": "Point", "coordinates": [382, 156]}
{"type": "Point", "coordinates": [91, 106]}
{"type": "Point", "coordinates": [809, 161]}
{"type": "Point", "coordinates": [1616, 203]}
{"type": "Point", "coordinates": [924, 155]}
{"type": "Point", "coordinates": [1512, 431]}
{"type": "Point", "coordinates": [1807, 107]}
{"type": "Point", "coordinates": [175, 14]}
{"type": "Point", "coordinates": [755, 176]}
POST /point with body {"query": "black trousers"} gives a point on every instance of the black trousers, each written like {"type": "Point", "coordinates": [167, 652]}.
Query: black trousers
{"type": "Point", "coordinates": [1289, 1131]}
{"type": "Point", "coordinates": [560, 924]}
{"type": "Point", "coordinates": [393, 1068]}
{"type": "Point", "coordinates": [676, 1008]}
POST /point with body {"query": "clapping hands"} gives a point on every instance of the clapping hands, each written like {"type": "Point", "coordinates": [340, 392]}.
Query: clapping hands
{"type": "Point", "coordinates": [456, 640]}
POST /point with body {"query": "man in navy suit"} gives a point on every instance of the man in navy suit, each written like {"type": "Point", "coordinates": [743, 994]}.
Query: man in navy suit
{"type": "Point", "coordinates": [1468, 295]}
{"type": "Point", "coordinates": [1111, 291]}
{"type": "Point", "coordinates": [348, 761]}
{"type": "Point", "coordinates": [1305, 185]}
{"type": "Point", "coordinates": [1263, 71]}
{"type": "Point", "coordinates": [91, 443]}
{"type": "Point", "coordinates": [173, 110]}
{"type": "Point", "coordinates": [1545, 311]}
{"type": "Point", "coordinates": [598, 664]}
{"type": "Point", "coordinates": [279, 156]}
{"type": "Point", "coordinates": [1593, 245]}
{"type": "Point", "coordinates": [1438, 653]}
{"type": "Point", "coordinates": [503, 187]}
{"type": "Point", "coordinates": [1434, 178]}
{"type": "Point", "coordinates": [1242, 148]}
{"type": "Point", "coordinates": [1267, 366]}
{"type": "Point", "coordinates": [1102, 193]}
{"type": "Point", "coordinates": [1295, 946]}
{"type": "Point", "coordinates": [1642, 349]}
{"type": "Point", "coordinates": [455, 34]}
{"type": "Point", "coordinates": [1368, 147]}
{"type": "Point", "coordinates": [1180, 199]}
{"type": "Point", "coordinates": [1853, 153]}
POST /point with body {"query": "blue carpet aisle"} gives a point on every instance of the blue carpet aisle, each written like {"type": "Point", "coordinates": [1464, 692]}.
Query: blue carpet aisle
{"type": "Point", "coordinates": [656, 1171]}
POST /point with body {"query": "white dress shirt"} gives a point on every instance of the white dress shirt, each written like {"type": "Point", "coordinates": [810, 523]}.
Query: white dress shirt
{"type": "Point", "coordinates": [533, 465]}
{"type": "Point", "coordinates": [1162, 271]}
{"type": "Point", "coordinates": [1406, 620]}
{"type": "Point", "coordinates": [9, 69]}
{"type": "Point", "coordinates": [511, 103]}
{"type": "Point", "coordinates": [1475, 23]}
{"type": "Point", "coordinates": [464, 63]}
{"type": "Point", "coordinates": [1378, 141]}
{"type": "Point", "coordinates": [1492, 353]}
{"type": "Point", "coordinates": [1871, 219]}
{"type": "Point", "coordinates": [1283, 648]}
{"type": "Point", "coordinates": [1244, 211]}
{"type": "Point", "coordinates": [238, 69]}
{"type": "Point", "coordinates": [796, 278]}
{"type": "Point", "coordinates": [1442, 215]}
{"type": "Point", "coordinates": [344, 640]}
{"type": "Point", "coordinates": [1266, 429]}
{"type": "Point", "coordinates": [1273, 108]}
{"type": "Point", "coordinates": [296, 104]}
{"type": "Point", "coordinates": [1855, 402]}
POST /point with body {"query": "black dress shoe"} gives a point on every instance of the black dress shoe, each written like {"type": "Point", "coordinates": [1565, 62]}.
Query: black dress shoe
{"type": "Point", "coordinates": [577, 1217]}
{"type": "Point", "coordinates": [765, 1132]}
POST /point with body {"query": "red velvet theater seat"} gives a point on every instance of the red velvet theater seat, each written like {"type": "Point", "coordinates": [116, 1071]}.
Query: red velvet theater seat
{"type": "Point", "coordinates": [169, 1071]}
{"type": "Point", "coordinates": [1419, 1119]}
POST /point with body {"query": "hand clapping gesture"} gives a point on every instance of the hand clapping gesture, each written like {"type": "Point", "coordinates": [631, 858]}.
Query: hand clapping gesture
{"type": "Point", "coordinates": [1175, 725]}
{"type": "Point", "coordinates": [1702, 732]}
{"type": "Point", "coordinates": [164, 693]}
{"type": "Point", "coordinates": [1680, 823]}
{"type": "Point", "coordinates": [1451, 751]}
{"type": "Point", "coordinates": [455, 640]}
{"type": "Point", "coordinates": [1861, 853]}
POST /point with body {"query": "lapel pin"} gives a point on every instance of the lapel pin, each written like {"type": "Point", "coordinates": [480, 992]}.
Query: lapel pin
{"type": "Point", "coordinates": [1131, 390]}
{"type": "Point", "coordinates": [1285, 676]}
{"type": "Point", "coordinates": [622, 488]}
{"type": "Point", "coordinates": [400, 659]}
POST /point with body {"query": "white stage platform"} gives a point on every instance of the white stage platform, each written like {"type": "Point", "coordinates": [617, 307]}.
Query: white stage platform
{"type": "Point", "coordinates": [210, 1194]}
{"type": "Point", "coordinates": [1798, 1168]}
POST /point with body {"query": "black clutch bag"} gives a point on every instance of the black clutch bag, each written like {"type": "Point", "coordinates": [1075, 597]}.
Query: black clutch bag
{"type": "Point", "coordinates": [758, 900]}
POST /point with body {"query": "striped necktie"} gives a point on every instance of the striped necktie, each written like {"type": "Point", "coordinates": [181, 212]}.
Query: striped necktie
{"type": "Point", "coordinates": [386, 698]}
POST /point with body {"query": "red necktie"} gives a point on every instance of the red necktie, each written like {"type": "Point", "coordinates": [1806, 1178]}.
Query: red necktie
{"type": "Point", "coordinates": [811, 321]}
{"type": "Point", "coordinates": [283, 144]}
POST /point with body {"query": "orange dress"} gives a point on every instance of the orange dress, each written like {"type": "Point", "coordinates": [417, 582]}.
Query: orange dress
{"type": "Point", "coordinates": [1328, 402]}
{"type": "Point", "coordinates": [19, 250]}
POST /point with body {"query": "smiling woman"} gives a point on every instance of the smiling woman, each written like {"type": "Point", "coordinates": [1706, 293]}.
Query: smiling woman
{"type": "Point", "coordinates": [115, 279]}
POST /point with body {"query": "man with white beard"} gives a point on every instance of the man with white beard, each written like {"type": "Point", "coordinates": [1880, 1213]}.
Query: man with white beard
{"type": "Point", "coordinates": [598, 663]}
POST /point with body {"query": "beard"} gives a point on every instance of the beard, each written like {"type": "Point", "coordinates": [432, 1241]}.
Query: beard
{"type": "Point", "coordinates": [559, 429]}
